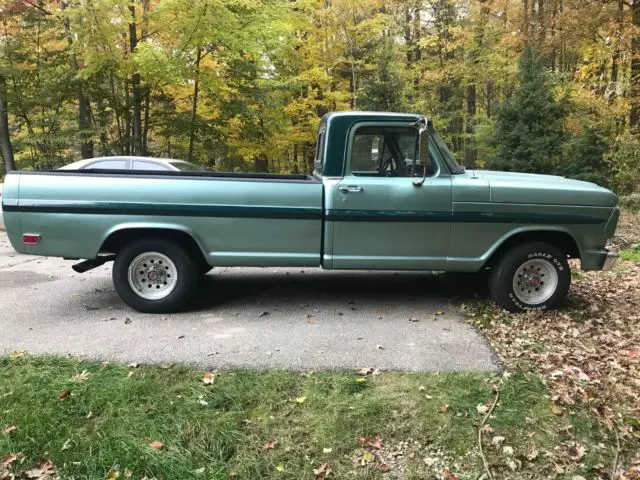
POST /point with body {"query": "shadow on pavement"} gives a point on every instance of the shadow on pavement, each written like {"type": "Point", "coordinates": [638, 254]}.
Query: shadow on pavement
{"type": "Point", "coordinates": [313, 286]}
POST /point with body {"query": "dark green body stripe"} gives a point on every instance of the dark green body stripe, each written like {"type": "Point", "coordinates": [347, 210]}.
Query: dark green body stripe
{"type": "Point", "coordinates": [219, 211]}
{"type": "Point", "coordinates": [224, 211]}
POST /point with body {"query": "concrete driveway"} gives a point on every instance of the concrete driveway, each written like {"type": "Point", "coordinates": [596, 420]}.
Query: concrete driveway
{"type": "Point", "coordinates": [263, 318]}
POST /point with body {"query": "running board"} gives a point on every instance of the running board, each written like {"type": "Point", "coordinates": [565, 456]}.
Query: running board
{"type": "Point", "coordinates": [93, 263]}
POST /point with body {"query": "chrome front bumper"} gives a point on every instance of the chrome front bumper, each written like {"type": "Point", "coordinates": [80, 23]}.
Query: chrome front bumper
{"type": "Point", "coordinates": [610, 260]}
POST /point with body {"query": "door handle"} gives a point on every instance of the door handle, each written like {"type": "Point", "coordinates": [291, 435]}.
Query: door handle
{"type": "Point", "coordinates": [351, 189]}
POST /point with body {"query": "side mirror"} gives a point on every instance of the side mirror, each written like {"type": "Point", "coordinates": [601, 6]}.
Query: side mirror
{"type": "Point", "coordinates": [421, 155]}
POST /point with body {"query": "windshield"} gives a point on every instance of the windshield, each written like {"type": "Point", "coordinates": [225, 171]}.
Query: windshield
{"type": "Point", "coordinates": [446, 154]}
{"type": "Point", "coordinates": [188, 167]}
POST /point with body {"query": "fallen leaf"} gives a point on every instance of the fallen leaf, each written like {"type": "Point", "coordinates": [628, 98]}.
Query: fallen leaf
{"type": "Point", "coordinates": [65, 394]}
{"type": "Point", "coordinates": [270, 445]}
{"type": "Point", "coordinates": [80, 377]}
{"type": "Point", "coordinates": [322, 471]}
{"type": "Point", "coordinates": [367, 457]}
{"type": "Point", "coordinates": [156, 445]}
{"type": "Point", "coordinates": [43, 469]}
{"type": "Point", "coordinates": [556, 410]}
{"type": "Point", "coordinates": [300, 400]}
{"type": "Point", "coordinates": [18, 353]}
{"type": "Point", "coordinates": [113, 475]}
{"type": "Point", "coordinates": [7, 460]}
{"type": "Point", "coordinates": [532, 455]}
{"type": "Point", "coordinates": [370, 442]}
{"type": "Point", "coordinates": [361, 379]}
{"type": "Point", "coordinates": [327, 450]}
{"type": "Point", "coordinates": [486, 428]}
{"type": "Point", "coordinates": [443, 408]}
{"type": "Point", "coordinates": [208, 378]}
{"type": "Point", "coordinates": [10, 429]}
{"type": "Point", "coordinates": [482, 409]}
{"type": "Point", "coordinates": [280, 467]}
{"type": "Point", "coordinates": [449, 476]}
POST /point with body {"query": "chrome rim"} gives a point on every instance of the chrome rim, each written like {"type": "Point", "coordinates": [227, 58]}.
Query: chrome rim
{"type": "Point", "coordinates": [152, 275]}
{"type": "Point", "coordinates": [535, 281]}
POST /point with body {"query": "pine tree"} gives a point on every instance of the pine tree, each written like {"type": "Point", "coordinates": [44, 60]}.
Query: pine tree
{"type": "Point", "coordinates": [530, 125]}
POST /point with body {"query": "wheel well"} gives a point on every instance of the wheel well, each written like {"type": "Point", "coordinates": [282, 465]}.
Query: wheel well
{"type": "Point", "coordinates": [117, 240]}
{"type": "Point", "coordinates": [562, 240]}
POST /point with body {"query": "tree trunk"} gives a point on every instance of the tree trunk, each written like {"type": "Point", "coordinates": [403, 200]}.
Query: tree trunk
{"type": "Point", "coordinates": [5, 138]}
{"type": "Point", "coordinates": [194, 106]}
{"type": "Point", "coordinates": [470, 152]}
{"type": "Point", "coordinates": [634, 117]}
{"type": "Point", "coordinates": [136, 96]}
{"type": "Point", "coordinates": [84, 104]}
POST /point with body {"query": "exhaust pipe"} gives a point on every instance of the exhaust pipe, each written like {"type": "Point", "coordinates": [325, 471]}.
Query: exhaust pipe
{"type": "Point", "coordinates": [92, 263]}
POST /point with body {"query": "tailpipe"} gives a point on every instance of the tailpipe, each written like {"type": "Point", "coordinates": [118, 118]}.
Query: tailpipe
{"type": "Point", "coordinates": [92, 263]}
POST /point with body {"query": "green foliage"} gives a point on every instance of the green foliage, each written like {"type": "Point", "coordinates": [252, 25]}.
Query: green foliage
{"type": "Point", "coordinates": [583, 158]}
{"type": "Point", "coordinates": [530, 125]}
{"type": "Point", "coordinates": [267, 70]}
{"type": "Point", "coordinates": [624, 158]}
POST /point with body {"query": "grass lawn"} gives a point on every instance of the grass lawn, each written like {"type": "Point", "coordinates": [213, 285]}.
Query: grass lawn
{"type": "Point", "coordinates": [98, 421]}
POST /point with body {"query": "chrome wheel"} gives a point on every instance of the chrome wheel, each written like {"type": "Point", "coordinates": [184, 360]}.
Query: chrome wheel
{"type": "Point", "coordinates": [152, 275]}
{"type": "Point", "coordinates": [535, 281]}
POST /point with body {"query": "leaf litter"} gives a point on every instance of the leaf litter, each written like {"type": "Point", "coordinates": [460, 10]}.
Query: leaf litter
{"type": "Point", "coordinates": [586, 354]}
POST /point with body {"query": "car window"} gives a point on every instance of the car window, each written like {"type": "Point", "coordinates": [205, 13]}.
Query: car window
{"type": "Point", "coordinates": [115, 164]}
{"type": "Point", "coordinates": [142, 165]}
{"type": "Point", "coordinates": [187, 166]}
{"type": "Point", "coordinates": [387, 152]}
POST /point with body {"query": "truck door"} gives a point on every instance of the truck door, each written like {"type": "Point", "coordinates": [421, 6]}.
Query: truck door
{"type": "Point", "coordinates": [379, 218]}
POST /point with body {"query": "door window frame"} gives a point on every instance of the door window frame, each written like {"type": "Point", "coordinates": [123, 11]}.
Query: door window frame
{"type": "Point", "coordinates": [346, 169]}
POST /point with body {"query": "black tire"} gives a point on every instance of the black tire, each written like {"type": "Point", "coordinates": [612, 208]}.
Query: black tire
{"type": "Point", "coordinates": [185, 277]}
{"type": "Point", "coordinates": [530, 293]}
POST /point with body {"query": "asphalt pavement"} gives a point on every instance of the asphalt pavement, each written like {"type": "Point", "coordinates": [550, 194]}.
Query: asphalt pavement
{"type": "Point", "coordinates": [250, 317]}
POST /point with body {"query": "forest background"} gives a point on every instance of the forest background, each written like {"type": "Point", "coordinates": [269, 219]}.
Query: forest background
{"type": "Point", "coordinates": [550, 86]}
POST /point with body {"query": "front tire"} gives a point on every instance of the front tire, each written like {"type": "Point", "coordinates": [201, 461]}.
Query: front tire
{"type": "Point", "coordinates": [155, 276]}
{"type": "Point", "coordinates": [532, 276]}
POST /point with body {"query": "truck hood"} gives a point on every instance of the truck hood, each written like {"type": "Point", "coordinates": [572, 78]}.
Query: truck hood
{"type": "Point", "coordinates": [530, 188]}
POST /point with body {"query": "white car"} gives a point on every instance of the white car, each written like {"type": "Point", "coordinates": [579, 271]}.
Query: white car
{"type": "Point", "coordinates": [134, 163]}
{"type": "Point", "coordinates": [1, 220]}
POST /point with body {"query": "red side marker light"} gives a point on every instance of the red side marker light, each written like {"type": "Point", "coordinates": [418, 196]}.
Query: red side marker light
{"type": "Point", "coordinates": [30, 238]}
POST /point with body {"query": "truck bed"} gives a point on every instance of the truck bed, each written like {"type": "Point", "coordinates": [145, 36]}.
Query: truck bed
{"type": "Point", "coordinates": [236, 219]}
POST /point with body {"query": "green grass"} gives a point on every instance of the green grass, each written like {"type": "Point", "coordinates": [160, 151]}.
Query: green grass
{"type": "Point", "coordinates": [107, 422]}
{"type": "Point", "coordinates": [630, 255]}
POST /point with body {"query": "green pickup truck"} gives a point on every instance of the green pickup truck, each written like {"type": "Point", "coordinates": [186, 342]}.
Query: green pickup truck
{"type": "Point", "coordinates": [385, 194]}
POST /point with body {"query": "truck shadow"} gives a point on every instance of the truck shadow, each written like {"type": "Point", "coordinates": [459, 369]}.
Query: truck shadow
{"type": "Point", "coordinates": [239, 287]}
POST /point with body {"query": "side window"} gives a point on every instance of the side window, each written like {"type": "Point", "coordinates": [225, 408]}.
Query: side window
{"type": "Point", "coordinates": [318, 157]}
{"type": "Point", "coordinates": [141, 165]}
{"type": "Point", "coordinates": [115, 164]}
{"type": "Point", "coordinates": [386, 152]}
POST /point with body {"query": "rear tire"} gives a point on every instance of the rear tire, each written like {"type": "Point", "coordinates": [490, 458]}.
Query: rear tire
{"type": "Point", "coordinates": [155, 276]}
{"type": "Point", "coordinates": [532, 276]}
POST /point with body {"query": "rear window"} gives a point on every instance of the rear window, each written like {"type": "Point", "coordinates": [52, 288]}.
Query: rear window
{"type": "Point", "coordinates": [317, 161]}
{"type": "Point", "coordinates": [108, 165]}
{"type": "Point", "coordinates": [188, 167]}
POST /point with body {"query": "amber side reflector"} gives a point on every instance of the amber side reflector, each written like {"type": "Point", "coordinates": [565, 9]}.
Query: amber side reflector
{"type": "Point", "coordinates": [30, 238]}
